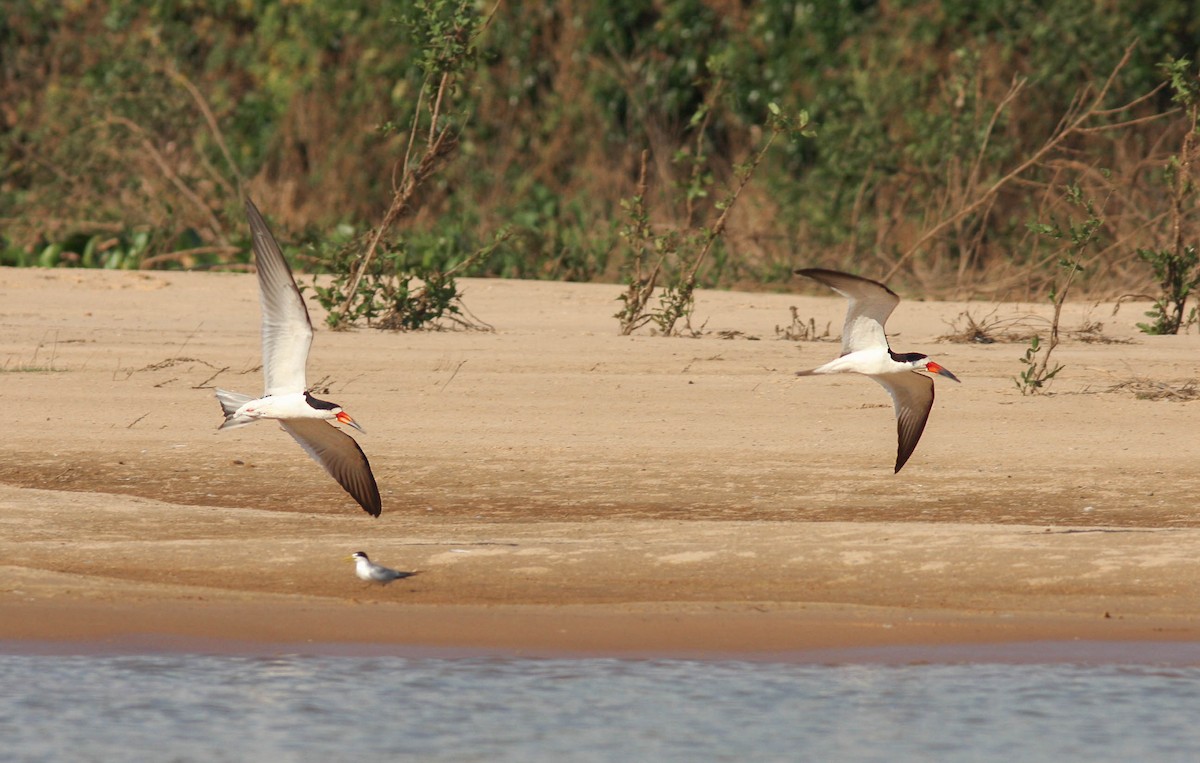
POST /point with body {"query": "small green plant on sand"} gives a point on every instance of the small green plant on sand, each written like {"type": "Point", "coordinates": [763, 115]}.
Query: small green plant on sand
{"type": "Point", "coordinates": [1178, 276]}
{"type": "Point", "coordinates": [1175, 266]}
{"type": "Point", "coordinates": [397, 293]}
{"type": "Point", "coordinates": [1073, 240]}
{"type": "Point", "coordinates": [1037, 373]}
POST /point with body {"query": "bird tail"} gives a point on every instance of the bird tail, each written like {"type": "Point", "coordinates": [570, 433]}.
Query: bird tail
{"type": "Point", "coordinates": [230, 403]}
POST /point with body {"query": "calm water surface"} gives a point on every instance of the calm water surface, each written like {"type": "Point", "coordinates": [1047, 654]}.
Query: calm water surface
{"type": "Point", "coordinates": [194, 707]}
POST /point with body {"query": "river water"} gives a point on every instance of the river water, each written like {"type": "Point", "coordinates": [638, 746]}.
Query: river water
{"type": "Point", "coordinates": [1080, 703]}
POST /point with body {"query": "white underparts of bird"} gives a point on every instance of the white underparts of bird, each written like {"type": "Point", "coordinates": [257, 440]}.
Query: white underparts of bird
{"type": "Point", "coordinates": [286, 337]}
{"type": "Point", "coordinates": [865, 351]}
{"type": "Point", "coordinates": [371, 572]}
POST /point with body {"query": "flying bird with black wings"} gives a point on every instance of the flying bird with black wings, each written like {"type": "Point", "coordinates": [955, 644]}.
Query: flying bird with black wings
{"type": "Point", "coordinates": [865, 351]}
{"type": "Point", "coordinates": [286, 337]}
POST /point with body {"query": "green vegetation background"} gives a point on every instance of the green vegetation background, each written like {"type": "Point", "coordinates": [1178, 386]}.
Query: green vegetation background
{"type": "Point", "coordinates": [127, 128]}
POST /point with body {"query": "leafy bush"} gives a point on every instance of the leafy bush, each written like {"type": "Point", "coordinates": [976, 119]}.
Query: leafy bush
{"type": "Point", "coordinates": [141, 116]}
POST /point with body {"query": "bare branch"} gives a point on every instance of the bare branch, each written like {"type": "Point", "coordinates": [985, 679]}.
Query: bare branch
{"type": "Point", "coordinates": [209, 117]}
{"type": "Point", "coordinates": [171, 175]}
{"type": "Point", "coordinates": [1076, 115]}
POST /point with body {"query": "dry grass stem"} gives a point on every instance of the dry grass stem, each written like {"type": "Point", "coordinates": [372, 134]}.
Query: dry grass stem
{"type": "Point", "coordinates": [1078, 114]}
{"type": "Point", "coordinates": [803, 331]}
{"type": "Point", "coordinates": [1147, 389]}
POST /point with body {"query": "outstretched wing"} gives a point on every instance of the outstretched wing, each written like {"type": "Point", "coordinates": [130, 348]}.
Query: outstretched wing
{"type": "Point", "coordinates": [912, 395]}
{"type": "Point", "coordinates": [341, 456]}
{"type": "Point", "coordinates": [286, 329]}
{"type": "Point", "coordinates": [870, 305]}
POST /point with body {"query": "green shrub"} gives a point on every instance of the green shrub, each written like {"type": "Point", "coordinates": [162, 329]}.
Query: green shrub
{"type": "Point", "coordinates": [145, 116]}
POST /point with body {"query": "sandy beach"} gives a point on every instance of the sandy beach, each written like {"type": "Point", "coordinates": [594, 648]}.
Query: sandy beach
{"type": "Point", "coordinates": [561, 488]}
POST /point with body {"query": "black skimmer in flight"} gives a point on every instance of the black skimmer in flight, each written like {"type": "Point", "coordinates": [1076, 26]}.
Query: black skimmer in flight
{"type": "Point", "coordinates": [865, 351]}
{"type": "Point", "coordinates": [375, 573]}
{"type": "Point", "coordinates": [286, 336]}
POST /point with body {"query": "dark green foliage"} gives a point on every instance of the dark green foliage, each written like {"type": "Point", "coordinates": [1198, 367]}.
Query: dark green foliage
{"type": "Point", "coordinates": [422, 299]}
{"type": "Point", "coordinates": [149, 116]}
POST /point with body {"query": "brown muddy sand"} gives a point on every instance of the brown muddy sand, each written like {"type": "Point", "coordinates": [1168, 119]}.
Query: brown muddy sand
{"type": "Point", "coordinates": [564, 490]}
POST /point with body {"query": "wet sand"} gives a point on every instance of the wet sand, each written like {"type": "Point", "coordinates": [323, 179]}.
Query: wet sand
{"type": "Point", "coordinates": [562, 489]}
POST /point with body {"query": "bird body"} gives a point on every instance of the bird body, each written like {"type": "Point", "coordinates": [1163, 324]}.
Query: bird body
{"type": "Point", "coordinates": [865, 350]}
{"type": "Point", "coordinates": [290, 405]}
{"type": "Point", "coordinates": [286, 337]}
{"type": "Point", "coordinates": [867, 362]}
{"type": "Point", "coordinates": [371, 572]}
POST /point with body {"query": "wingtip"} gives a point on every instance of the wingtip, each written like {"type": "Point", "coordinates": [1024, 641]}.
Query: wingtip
{"type": "Point", "coordinates": [810, 272]}
{"type": "Point", "coordinates": [841, 282]}
{"type": "Point", "coordinates": [258, 224]}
